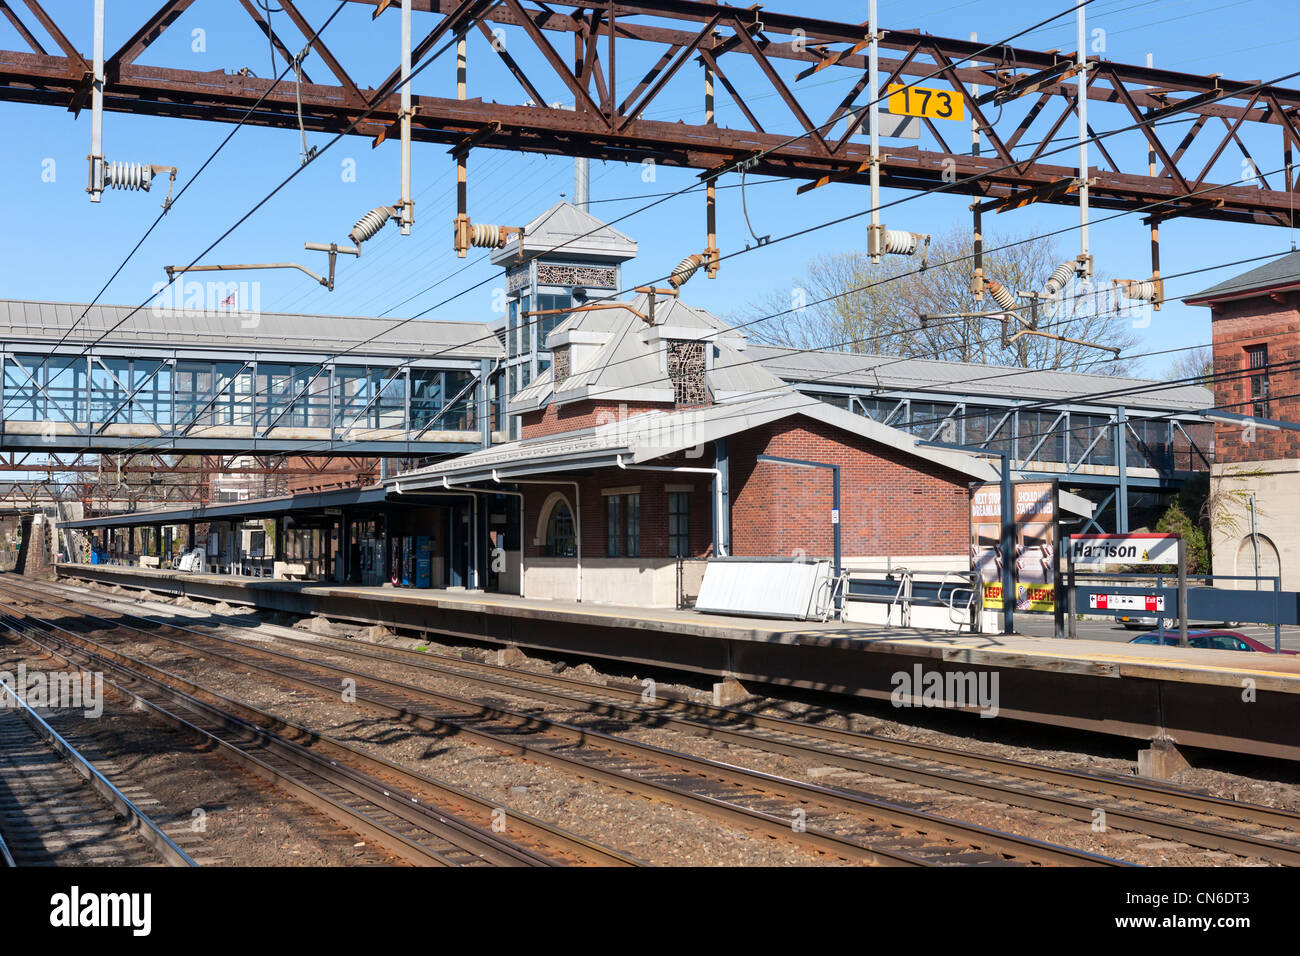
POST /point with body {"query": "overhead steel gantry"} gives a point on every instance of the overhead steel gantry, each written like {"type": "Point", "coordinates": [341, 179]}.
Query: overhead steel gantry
{"type": "Point", "coordinates": [747, 49]}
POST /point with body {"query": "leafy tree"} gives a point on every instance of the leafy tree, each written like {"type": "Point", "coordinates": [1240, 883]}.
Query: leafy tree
{"type": "Point", "coordinates": [1176, 521]}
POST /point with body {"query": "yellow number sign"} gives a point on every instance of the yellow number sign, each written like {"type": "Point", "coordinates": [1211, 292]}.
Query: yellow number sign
{"type": "Point", "coordinates": [921, 101]}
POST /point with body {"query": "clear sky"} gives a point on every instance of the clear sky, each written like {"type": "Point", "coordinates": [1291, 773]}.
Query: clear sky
{"type": "Point", "coordinates": [59, 246]}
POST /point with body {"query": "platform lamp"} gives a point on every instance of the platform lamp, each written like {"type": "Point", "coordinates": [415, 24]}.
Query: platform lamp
{"type": "Point", "coordinates": [1006, 509]}
{"type": "Point", "coordinates": [835, 511]}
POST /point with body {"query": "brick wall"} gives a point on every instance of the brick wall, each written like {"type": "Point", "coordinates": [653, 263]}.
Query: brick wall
{"type": "Point", "coordinates": [654, 509]}
{"type": "Point", "coordinates": [1262, 320]}
{"type": "Point", "coordinates": [574, 416]}
{"type": "Point", "coordinates": [890, 503]}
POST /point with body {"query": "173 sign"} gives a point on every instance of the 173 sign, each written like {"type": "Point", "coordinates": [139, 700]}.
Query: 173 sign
{"type": "Point", "coordinates": [923, 101]}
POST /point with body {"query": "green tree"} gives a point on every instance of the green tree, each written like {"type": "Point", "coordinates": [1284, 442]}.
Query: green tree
{"type": "Point", "coordinates": [1176, 521]}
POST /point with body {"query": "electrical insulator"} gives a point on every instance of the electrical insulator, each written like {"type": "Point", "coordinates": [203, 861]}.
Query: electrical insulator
{"type": "Point", "coordinates": [1144, 290]}
{"type": "Point", "coordinates": [1000, 294]}
{"type": "Point", "coordinates": [685, 269]}
{"type": "Point", "coordinates": [896, 242]}
{"type": "Point", "coordinates": [370, 223]}
{"type": "Point", "coordinates": [900, 242]}
{"type": "Point", "coordinates": [128, 176]}
{"type": "Point", "coordinates": [487, 236]}
{"type": "Point", "coordinates": [1058, 280]}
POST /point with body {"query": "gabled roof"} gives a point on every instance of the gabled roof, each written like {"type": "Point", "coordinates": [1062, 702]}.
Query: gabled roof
{"type": "Point", "coordinates": [1280, 274]}
{"type": "Point", "coordinates": [628, 364]}
{"type": "Point", "coordinates": [567, 231]}
{"type": "Point", "coordinates": [646, 436]}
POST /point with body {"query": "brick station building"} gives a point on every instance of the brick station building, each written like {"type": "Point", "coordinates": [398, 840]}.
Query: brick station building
{"type": "Point", "coordinates": [1255, 320]}
{"type": "Point", "coordinates": [641, 445]}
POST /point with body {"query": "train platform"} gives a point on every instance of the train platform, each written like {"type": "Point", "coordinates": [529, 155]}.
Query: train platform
{"type": "Point", "coordinates": [1223, 700]}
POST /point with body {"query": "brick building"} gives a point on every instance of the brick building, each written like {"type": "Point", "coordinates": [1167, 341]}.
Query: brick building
{"type": "Point", "coordinates": [641, 445]}
{"type": "Point", "coordinates": [1255, 321]}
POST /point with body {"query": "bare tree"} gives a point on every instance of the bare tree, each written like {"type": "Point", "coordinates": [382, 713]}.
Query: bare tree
{"type": "Point", "coordinates": [845, 303]}
{"type": "Point", "coordinates": [1194, 364]}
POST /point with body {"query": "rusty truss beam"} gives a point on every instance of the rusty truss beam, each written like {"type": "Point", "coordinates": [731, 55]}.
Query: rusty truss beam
{"type": "Point", "coordinates": [572, 48]}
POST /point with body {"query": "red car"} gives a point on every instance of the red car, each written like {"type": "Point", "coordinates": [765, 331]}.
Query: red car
{"type": "Point", "coordinates": [1211, 640]}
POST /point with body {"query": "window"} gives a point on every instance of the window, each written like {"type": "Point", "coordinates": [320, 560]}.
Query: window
{"type": "Point", "coordinates": [679, 524]}
{"type": "Point", "coordinates": [512, 342]}
{"type": "Point", "coordinates": [559, 532]}
{"type": "Point", "coordinates": [545, 323]}
{"type": "Point", "coordinates": [623, 525]}
{"type": "Point", "coordinates": [526, 326]}
{"type": "Point", "coordinates": [613, 525]}
{"type": "Point", "coordinates": [1257, 362]}
{"type": "Point", "coordinates": [633, 526]}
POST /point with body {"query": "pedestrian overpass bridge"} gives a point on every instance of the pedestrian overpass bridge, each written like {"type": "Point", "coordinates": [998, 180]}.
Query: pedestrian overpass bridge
{"type": "Point", "coordinates": [171, 381]}
{"type": "Point", "coordinates": [210, 381]}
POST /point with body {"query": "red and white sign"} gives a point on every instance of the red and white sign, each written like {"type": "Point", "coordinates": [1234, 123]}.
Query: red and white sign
{"type": "Point", "coordinates": [1127, 602]}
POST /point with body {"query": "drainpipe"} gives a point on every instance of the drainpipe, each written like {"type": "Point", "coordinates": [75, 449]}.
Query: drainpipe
{"type": "Point", "coordinates": [1254, 539]}
{"type": "Point", "coordinates": [719, 550]}
{"type": "Point", "coordinates": [577, 523]}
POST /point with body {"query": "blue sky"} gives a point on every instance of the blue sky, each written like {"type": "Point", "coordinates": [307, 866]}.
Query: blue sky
{"type": "Point", "coordinates": [59, 246]}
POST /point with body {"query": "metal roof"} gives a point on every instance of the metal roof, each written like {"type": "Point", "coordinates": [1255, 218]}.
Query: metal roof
{"type": "Point", "coordinates": [1281, 272]}
{"type": "Point", "coordinates": [254, 508]}
{"type": "Point", "coordinates": [649, 435]}
{"type": "Point", "coordinates": [891, 374]}
{"type": "Point", "coordinates": [43, 322]}
{"type": "Point", "coordinates": [564, 230]}
{"type": "Point", "coordinates": [628, 365]}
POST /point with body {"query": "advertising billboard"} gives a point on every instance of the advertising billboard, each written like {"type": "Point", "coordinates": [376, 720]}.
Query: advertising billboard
{"type": "Point", "coordinates": [1035, 541]}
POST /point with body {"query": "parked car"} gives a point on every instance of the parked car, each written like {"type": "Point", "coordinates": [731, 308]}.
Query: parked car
{"type": "Point", "coordinates": [1138, 621]}
{"type": "Point", "coordinates": [1209, 640]}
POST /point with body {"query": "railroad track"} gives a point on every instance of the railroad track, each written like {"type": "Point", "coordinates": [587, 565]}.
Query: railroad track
{"type": "Point", "coordinates": [836, 823]}
{"type": "Point", "coordinates": [1160, 811]}
{"type": "Point", "coordinates": [57, 808]}
{"type": "Point", "coordinates": [376, 807]}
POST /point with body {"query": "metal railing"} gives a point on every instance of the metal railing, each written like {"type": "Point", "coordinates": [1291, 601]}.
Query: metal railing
{"type": "Point", "coordinates": [903, 589]}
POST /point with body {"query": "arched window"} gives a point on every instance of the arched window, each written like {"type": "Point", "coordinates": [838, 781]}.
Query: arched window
{"type": "Point", "coordinates": [1258, 553]}
{"type": "Point", "coordinates": [560, 541]}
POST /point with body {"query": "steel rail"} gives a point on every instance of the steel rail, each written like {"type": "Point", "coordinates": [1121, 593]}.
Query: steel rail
{"type": "Point", "coordinates": [358, 822]}
{"type": "Point", "coordinates": [136, 819]}
{"type": "Point", "coordinates": [769, 824]}
{"type": "Point", "coordinates": [1191, 833]}
{"type": "Point", "coordinates": [740, 727]}
{"type": "Point", "coordinates": [541, 831]}
{"type": "Point", "coordinates": [694, 717]}
{"type": "Point", "coordinates": [465, 711]}
{"type": "Point", "coordinates": [462, 836]}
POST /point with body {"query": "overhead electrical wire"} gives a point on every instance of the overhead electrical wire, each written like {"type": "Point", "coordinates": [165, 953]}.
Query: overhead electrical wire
{"type": "Point", "coordinates": [933, 189]}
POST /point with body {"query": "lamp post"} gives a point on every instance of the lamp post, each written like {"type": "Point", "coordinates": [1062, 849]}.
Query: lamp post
{"type": "Point", "coordinates": [835, 507]}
